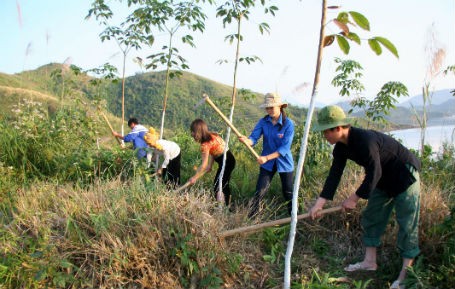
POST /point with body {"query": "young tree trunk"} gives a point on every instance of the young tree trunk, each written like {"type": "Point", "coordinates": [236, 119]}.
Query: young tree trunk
{"type": "Point", "coordinates": [123, 93]}
{"type": "Point", "coordinates": [231, 114]}
{"type": "Point", "coordinates": [166, 92]}
{"type": "Point", "coordinates": [303, 148]}
{"type": "Point", "coordinates": [166, 83]}
{"type": "Point", "coordinates": [423, 122]}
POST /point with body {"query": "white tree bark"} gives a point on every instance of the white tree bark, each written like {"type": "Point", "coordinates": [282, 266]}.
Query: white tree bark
{"type": "Point", "coordinates": [303, 149]}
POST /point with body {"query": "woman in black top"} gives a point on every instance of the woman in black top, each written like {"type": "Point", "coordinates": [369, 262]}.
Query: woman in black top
{"type": "Point", "coordinates": [391, 181]}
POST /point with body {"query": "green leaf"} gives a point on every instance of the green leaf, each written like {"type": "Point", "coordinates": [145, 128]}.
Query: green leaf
{"type": "Point", "coordinates": [353, 37]}
{"type": "Point", "coordinates": [360, 20]}
{"type": "Point", "coordinates": [264, 27]}
{"type": "Point", "coordinates": [66, 264]}
{"type": "Point", "coordinates": [150, 40]}
{"type": "Point", "coordinates": [387, 44]}
{"type": "Point", "coordinates": [374, 45]}
{"type": "Point", "coordinates": [40, 275]}
{"type": "Point", "coordinates": [343, 17]}
{"type": "Point", "coordinates": [343, 44]}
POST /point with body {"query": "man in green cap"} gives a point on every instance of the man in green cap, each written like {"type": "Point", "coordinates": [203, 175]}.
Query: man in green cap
{"type": "Point", "coordinates": [391, 181]}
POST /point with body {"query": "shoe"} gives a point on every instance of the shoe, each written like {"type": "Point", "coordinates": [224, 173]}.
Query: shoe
{"type": "Point", "coordinates": [359, 267]}
{"type": "Point", "coordinates": [396, 285]}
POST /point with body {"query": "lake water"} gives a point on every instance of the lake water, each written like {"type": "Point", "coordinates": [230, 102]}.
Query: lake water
{"type": "Point", "coordinates": [435, 136]}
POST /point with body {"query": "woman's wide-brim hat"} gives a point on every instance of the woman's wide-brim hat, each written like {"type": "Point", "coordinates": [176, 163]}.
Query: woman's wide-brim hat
{"type": "Point", "coordinates": [331, 116]}
{"type": "Point", "coordinates": [272, 100]}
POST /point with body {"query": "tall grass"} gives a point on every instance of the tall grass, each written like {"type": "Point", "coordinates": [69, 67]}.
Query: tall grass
{"type": "Point", "coordinates": [112, 236]}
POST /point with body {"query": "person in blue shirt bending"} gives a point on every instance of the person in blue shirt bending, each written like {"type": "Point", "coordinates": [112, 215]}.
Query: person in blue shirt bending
{"type": "Point", "coordinates": [136, 136]}
{"type": "Point", "coordinates": [277, 131]}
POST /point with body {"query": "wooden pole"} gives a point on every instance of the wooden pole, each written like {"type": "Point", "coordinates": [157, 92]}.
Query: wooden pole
{"type": "Point", "coordinates": [110, 126]}
{"type": "Point", "coordinates": [183, 187]}
{"type": "Point", "coordinates": [254, 228]}
{"type": "Point", "coordinates": [226, 120]}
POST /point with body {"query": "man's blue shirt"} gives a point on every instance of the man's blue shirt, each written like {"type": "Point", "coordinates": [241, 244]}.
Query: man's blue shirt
{"type": "Point", "coordinates": [136, 136]}
{"type": "Point", "coordinates": [276, 138]}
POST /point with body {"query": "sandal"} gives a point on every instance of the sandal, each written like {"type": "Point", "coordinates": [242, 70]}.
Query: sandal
{"type": "Point", "coordinates": [359, 267]}
{"type": "Point", "coordinates": [396, 285]}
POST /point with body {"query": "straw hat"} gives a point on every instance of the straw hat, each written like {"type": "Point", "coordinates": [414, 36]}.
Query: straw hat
{"type": "Point", "coordinates": [331, 116]}
{"type": "Point", "coordinates": [271, 100]}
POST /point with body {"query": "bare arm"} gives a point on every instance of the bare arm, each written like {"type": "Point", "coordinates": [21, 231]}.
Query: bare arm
{"type": "Point", "coordinates": [202, 168]}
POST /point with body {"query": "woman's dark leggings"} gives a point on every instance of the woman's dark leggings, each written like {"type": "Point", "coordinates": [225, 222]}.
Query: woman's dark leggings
{"type": "Point", "coordinates": [229, 167]}
{"type": "Point", "coordinates": [171, 174]}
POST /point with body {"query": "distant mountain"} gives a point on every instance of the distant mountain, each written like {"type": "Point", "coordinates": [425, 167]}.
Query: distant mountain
{"type": "Point", "coordinates": [437, 97]}
{"type": "Point", "coordinates": [441, 111]}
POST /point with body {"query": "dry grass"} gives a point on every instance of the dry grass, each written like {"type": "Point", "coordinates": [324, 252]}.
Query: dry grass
{"type": "Point", "coordinates": [117, 235]}
{"type": "Point", "coordinates": [26, 93]}
{"type": "Point", "coordinates": [340, 233]}
{"type": "Point", "coordinates": [135, 236]}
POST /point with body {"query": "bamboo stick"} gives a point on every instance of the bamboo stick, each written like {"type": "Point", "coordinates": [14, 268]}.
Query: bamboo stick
{"type": "Point", "coordinates": [110, 126]}
{"type": "Point", "coordinates": [254, 228]}
{"type": "Point", "coordinates": [226, 120]}
{"type": "Point", "coordinates": [183, 187]}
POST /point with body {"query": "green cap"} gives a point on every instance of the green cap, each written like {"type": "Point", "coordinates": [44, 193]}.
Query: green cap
{"type": "Point", "coordinates": [331, 116]}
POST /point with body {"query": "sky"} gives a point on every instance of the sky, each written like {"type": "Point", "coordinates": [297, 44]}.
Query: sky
{"type": "Point", "coordinates": [35, 33]}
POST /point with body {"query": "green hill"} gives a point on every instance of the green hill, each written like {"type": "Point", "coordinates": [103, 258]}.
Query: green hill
{"type": "Point", "coordinates": [144, 94]}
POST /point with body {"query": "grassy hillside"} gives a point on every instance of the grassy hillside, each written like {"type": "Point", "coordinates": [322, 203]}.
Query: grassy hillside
{"type": "Point", "coordinates": [77, 214]}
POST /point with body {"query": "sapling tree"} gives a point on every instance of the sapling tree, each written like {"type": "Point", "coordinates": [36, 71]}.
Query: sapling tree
{"type": "Point", "coordinates": [127, 35]}
{"type": "Point", "coordinates": [177, 16]}
{"type": "Point", "coordinates": [375, 110]}
{"type": "Point", "coordinates": [235, 11]}
{"type": "Point", "coordinates": [62, 78]}
{"type": "Point", "coordinates": [105, 73]}
{"type": "Point", "coordinates": [345, 21]}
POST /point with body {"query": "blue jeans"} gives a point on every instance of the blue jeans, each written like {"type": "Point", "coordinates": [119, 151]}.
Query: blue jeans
{"type": "Point", "coordinates": [263, 186]}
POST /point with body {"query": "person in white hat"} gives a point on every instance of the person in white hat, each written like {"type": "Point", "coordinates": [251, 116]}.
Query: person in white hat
{"type": "Point", "coordinates": [391, 183]}
{"type": "Point", "coordinates": [277, 131]}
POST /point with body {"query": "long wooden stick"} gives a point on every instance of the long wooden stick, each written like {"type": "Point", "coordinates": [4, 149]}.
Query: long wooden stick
{"type": "Point", "coordinates": [226, 120]}
{"type": "Point", "coordinates": [183, 187]}
{"type": "Point", "coordinates": [254, 228]}
{"type": "Point", "coordinates": [110, 126]}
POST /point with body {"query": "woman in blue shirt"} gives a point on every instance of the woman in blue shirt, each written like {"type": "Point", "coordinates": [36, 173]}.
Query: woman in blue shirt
{"type": "Point", "coordinates": [277, 131]}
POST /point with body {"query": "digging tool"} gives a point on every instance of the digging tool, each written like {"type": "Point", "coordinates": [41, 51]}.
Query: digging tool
{"type": "Point", "coordinates": [226, 120]}
{"type": "Point", "coordinates": [110, 126]}
{"type": "Point", "coordinates": [254, 228]}
{"type": "Point", "coordinates": [188, 184]}
{"type": "Point", "coordinates": [183, 187]}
